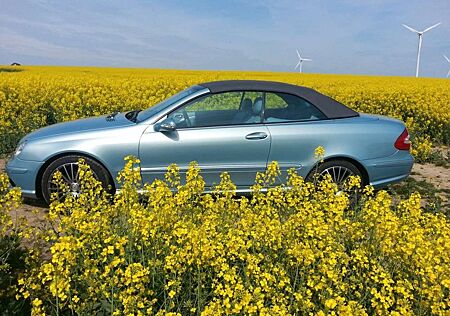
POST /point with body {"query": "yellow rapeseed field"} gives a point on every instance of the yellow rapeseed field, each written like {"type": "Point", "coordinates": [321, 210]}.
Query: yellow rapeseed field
{"type": "Point", "coordinates": [37, 96]}
{"type": "Point", "coordinates": [302, 248]}
{"type": "Point", "coordinates": [307, 250]}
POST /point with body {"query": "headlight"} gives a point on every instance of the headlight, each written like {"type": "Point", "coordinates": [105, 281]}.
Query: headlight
{"type": "Point", "coordinates": [19, 148]}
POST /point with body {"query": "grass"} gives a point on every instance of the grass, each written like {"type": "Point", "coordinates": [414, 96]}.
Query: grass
{"type": "Point", "coordinates": [434, 200]}
{"type": "Point", "coordinates": [438, 158]}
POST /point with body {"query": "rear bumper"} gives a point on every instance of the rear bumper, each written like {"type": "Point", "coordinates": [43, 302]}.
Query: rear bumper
{"type": "Point", "coordinates": [388, 170]}
{"type": "Point", "coordinates": [385, 182]}
{"type": "Point", "coordinates": [23, 174]}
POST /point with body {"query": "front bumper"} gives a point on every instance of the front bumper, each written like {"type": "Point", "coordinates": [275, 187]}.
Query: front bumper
{"type": "Point", "coordinates": [22, 174]}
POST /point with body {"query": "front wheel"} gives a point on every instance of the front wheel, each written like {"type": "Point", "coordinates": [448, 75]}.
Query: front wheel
{"type": "Point", "coordinates": [68, 166]}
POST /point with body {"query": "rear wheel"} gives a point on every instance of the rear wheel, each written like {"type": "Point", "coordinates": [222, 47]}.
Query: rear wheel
{"type": "Point", "coordinates": [68, 166]}
{"type": "Point", "coordinates": [339, 170]}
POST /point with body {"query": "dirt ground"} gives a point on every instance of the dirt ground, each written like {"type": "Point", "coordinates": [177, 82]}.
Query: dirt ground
{"type": "Point", "coordinates": [438, 176]}
{"type": "Point", "coordinates": [34, 211]}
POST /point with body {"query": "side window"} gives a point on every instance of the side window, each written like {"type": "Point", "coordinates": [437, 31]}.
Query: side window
{"type": "Point", "coordinates": [281, 107]}
{"type": "Point", "coordinates": [273, 101]}
{"type": "Point", "coordinates": [228, 108]}
{"type": "Point", "coordinates": [216, 102]}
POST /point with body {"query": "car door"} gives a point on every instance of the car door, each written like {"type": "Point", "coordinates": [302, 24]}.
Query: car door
{"type": "Point", "coordinates": [218, 132]}
{"type": "Point", "coordinates": [297, 127]}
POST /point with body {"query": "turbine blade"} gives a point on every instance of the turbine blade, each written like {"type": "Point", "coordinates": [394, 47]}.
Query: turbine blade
{"type": "Point", "coordinates": [448, 74]}
{"type": "Point", "coordinates": [306, 59]}
{"type": "Point", "coordinates": [410, 28]}
{"type": "Point", "coordinates": [446, 58]}
{"type": "Point", "coordinates": [298, 54]}
{"type": "Point", "coordinates": [298, 64]}
{"type": "Point", "coordinates": [431, 27]}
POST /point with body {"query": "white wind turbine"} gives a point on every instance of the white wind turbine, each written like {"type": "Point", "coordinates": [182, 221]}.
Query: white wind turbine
{"type": "Point", "coordinates": [448, 73]}
{"type": "Point", "coordinates": [420, 42]}
{"type": "Point", "coordinates": [300, 62]}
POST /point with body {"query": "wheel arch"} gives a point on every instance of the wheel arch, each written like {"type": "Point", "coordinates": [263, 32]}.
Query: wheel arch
{"type": "Point", "coordinates": [64, 154]}
{"type": "Point", "coordinates": [359, 165]}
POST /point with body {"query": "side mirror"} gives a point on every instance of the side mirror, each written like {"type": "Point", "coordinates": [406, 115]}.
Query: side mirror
{"type": "Point", "coordinates": [167, 125]}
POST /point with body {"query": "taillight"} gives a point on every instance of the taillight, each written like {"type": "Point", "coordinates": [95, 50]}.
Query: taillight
{"type": "Point", "coordinates": [403, 142]}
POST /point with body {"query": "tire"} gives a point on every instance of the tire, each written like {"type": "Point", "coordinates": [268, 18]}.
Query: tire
{"type": "Point", "coordinates": [339, 170]}
{"type": "Point", "coordinates": [68, 165]}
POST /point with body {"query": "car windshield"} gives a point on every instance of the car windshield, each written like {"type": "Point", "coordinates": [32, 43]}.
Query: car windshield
{"type": "Point", "coordinates": [146, 114]}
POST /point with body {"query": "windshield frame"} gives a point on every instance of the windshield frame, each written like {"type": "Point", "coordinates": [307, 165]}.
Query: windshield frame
{"type": "Point", "coordinates": [176, 99]}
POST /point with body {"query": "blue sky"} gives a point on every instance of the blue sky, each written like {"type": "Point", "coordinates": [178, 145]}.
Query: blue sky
{"type": "Point", "coordinates": [345, 36]}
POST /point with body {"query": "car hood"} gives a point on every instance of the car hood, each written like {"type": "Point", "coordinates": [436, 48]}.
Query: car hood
{"type": "Point", "coordinates": [81, 125]}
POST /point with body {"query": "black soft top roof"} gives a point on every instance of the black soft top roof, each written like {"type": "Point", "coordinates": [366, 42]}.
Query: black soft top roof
{"type": "Point", "coordinates": [330, 107]}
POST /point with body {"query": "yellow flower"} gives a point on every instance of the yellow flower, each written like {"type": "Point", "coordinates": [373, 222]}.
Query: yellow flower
{"type": "Point", "coordinates": [319, 153]}
{"type": "Point", "coordinates": [330, 303]}
{"type": "Point", "coordinates": [166, 247]}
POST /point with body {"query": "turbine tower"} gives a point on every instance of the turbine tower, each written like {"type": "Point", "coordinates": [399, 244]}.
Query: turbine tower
{"type": "Point", "coordinates": [448, 73]}
{"type": "Point", "coordinates": [300, 62]}
{"type": "Point", "coordinates": [420, 42]}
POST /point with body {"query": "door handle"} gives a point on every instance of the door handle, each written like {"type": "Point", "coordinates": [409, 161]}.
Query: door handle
{"type": "Point", "coordinates": [256, 135]}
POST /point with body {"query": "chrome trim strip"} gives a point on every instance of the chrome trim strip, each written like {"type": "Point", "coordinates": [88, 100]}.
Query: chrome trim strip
{"type": "Point", "coordinates": [208, 168]}
{"type": "Point", "coordinates": [222, 168]}
{"type": "Point", "coordinates": [15, 170]}
{"type": "Point", "coordinates": [285, 166]}
{"type": "Point", "coordinates": [386, 181]}
{"type": "Point", "coordinates": [28, 193]}
{"type": "Point", "coordinates": [392, 163]}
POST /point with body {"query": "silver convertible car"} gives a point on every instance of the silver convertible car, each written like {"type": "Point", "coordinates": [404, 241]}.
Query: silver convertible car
{"type": "Point", "coordinates": [238, 126]}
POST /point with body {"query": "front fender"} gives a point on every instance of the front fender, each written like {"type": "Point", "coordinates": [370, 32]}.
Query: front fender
{"type": "Point", "coordinates": [109, 147]}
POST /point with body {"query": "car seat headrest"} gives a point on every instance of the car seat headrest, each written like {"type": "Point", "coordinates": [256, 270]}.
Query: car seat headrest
{"type": "Point", "coordinates": [246, 105]}
{"type": "Point", "coordinates": [257, 106]}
